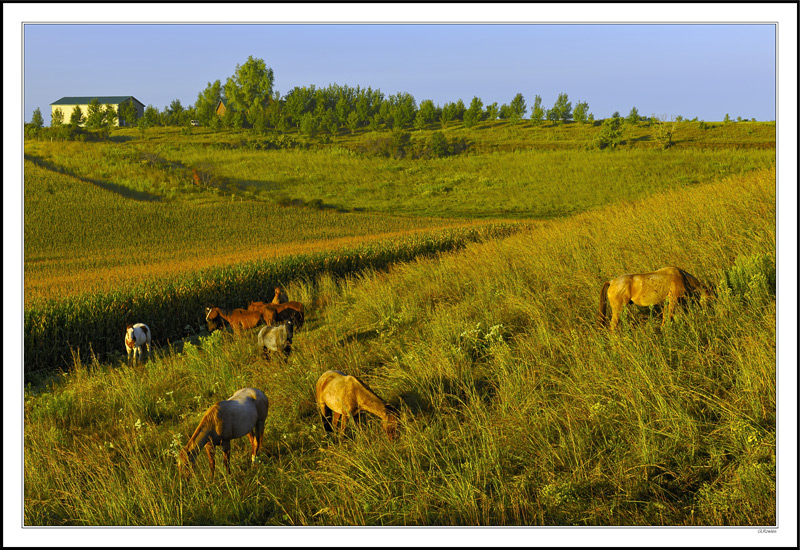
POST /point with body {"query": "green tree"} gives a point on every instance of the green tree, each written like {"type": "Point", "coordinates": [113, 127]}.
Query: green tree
{"type": "Point", "coordinates": [474, 114]}
{"type": "Point", "coordinates": [309, 124]}
{"type": "Point", "coordinates": [259, 118]}
{"type": "Point", "coordinates": [57, 118]}
{"type": "Point", "coordinates": [206, 105]}
{"type": "Point", "coordinates": [492, 111]}
{"type": "Point", "coordinates": [127, 113]}
{"type": "Point", "coordinates": [329, 122]}
{"type": "Point", "coordinates": [581, 112]}
{"type": "Point", "coordinates": [375, 122]}
{"type": "Point", "coordinates": [447, 114]}
{"type": "Point", "coordinates": [425, 115]}
{"type": "Point", "coordinates": [611, 132]}
{"type": "Point", "coordinates": [403, 109]}
{"type": "Point", "coordinates": [250, 86]}
{"type": "Point", "coordinates": [343, 106]}
{"type": "Point", "coordinates": [459, 110]}
{"type": "Point", "coordinates": [151, 116]}
{"type": "Point", "coordinates": [76, 118]}
{"type": "Point", "coordinates": [562, 108]}
{"type": "Point", "coordinates": [94, 114]}
{"type": "Point", "coordinates": [173, 114]}
{"type": "Point", "coordinates": [353, 121]}
{"type": "Point", "coordinates": [537, 112]}
{"type": "Point", "coordinates": [439, 145]}
{"type": "Point", "coordinates": [517, 109]}
{"type": "Point", "coordinates": [633, 117]}
{"type": "Point", "coordinates": [37, 121]}
{"type": "Point", "coordinates": [110, 115]}
{"type": "Point", "coordinates": [727, 118]}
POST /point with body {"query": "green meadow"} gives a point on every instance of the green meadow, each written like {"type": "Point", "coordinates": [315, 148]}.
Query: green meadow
{"type": "Point", "coordinates": [463, 289]}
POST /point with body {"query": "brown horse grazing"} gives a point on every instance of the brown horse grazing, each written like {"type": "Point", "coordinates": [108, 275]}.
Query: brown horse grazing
{"type": "Point", "coordinates": [648, 289]}
{"type": "Point", "coordinates": [280, 296]}
{"type": "Point", "coordinates": [245, 413]}
{"type": "Point", "coordinates": [341, 396]}
{"type": "Point", "coordinates": [239, 319]}
{"type": "Point", "coordinates": [288, 311]}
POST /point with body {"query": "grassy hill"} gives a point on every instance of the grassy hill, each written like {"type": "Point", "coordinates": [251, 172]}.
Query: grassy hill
{"type": "Point", "coordinates": [517, 409]}
{"type": "Point", "coordinates": [100, 215]}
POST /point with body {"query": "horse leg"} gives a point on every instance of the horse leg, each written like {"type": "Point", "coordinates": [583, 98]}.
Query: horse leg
{"type": "Point", "coordinates": [326, 416]}
{"type": "Point", "coordinates": [259, 433]}
{"type": "Point", "coordinates": [668, 310]}
{"type": "Point", "coordinates": [226, 455]}
{"type": "Point", "coordinates": [614, 317]}
{"type": "Point", "coordinates": [254, 444]}
{"type": "Point", "coordinates": [210, 453]}
{"type": "Point", "coordinates": [342, 422]}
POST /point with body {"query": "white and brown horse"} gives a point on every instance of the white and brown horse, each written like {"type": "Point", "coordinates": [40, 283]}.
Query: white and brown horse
{"type": "Point", "coordinates": [340, 396]}
{"type": "Point", "coordinates": [137, 337]}
{"type": "Point", "coordinates": [276, 339]}
{"type": "Point", "coordinates": [243, 414]}
{"type": "Point", "coordinates": [669, 284]}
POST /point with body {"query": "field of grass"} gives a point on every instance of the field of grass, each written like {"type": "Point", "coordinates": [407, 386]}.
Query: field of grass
{"type": "Point", "coordinates": [507, 171]}
{"type": "Point", "coordinates": [102, 215]}
{"type": "Point", "coordinates": [517, 409]}
{"type": "Point", "coordinates": [83, 236]}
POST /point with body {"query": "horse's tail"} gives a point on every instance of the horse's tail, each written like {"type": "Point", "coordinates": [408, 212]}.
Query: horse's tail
{"type": "Point", "coordinates": [601, 317]}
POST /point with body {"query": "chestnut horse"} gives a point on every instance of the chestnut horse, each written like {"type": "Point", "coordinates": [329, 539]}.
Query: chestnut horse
{"type": "Point", "coordinates": [340, 396]}
{"type": "Point", "coordinates": [243, 414]}
{"type": "Point", "coordinates": [293, 311]}
{"type": "Point", "coordinates": [648, 289]}
{"type": "Point", "coordinates": [239, 319]}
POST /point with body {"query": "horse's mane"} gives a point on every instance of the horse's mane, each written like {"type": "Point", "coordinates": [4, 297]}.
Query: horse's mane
{"type": "Point", "coordinates": [690, 282]}
{"type": "Point", "coordinates": [205, 423]}
{"type": "Point", "coordinates": [386, 405]}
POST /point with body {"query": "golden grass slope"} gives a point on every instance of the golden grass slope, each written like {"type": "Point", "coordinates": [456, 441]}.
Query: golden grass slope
{"type": "Point", "coordinates": [517, 409]}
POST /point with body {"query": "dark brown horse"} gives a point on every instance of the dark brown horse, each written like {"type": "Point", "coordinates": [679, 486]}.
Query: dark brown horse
{"type": "Point", "coordinates": [239, 319]}
{"type": "Point", "coordinates": [288, 311]}
{"type": "Point", "coordinates": [280, 296]}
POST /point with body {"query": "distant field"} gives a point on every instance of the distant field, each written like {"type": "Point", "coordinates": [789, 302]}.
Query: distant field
{"type": "Point", "coordinates": [81, 237]}
{"type": "Point", "coordinates": [99, 215]}
{"type": "Point", "coordinates": [521, 172]}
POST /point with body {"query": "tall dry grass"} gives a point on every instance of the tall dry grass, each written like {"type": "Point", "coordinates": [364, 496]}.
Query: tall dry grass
{"type": "Point", "coordinates": [517, 409]}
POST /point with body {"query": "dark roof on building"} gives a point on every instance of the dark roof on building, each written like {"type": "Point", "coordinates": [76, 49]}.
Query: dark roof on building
{"type": "Point", "coordinates": [103, 99]}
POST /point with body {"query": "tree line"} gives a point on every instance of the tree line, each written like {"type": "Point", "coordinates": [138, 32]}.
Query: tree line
{"type": "Point", "coordinates": [251, 102]}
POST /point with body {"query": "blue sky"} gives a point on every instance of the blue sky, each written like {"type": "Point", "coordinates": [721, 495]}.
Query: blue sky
{"type": "Point", "coordinates": [693, 70]}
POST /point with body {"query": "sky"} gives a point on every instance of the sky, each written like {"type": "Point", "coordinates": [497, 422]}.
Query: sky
{"type": "Point", "coordinates": [692, 70]}
{"type": "Point", "coordinates": [689, 59]}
